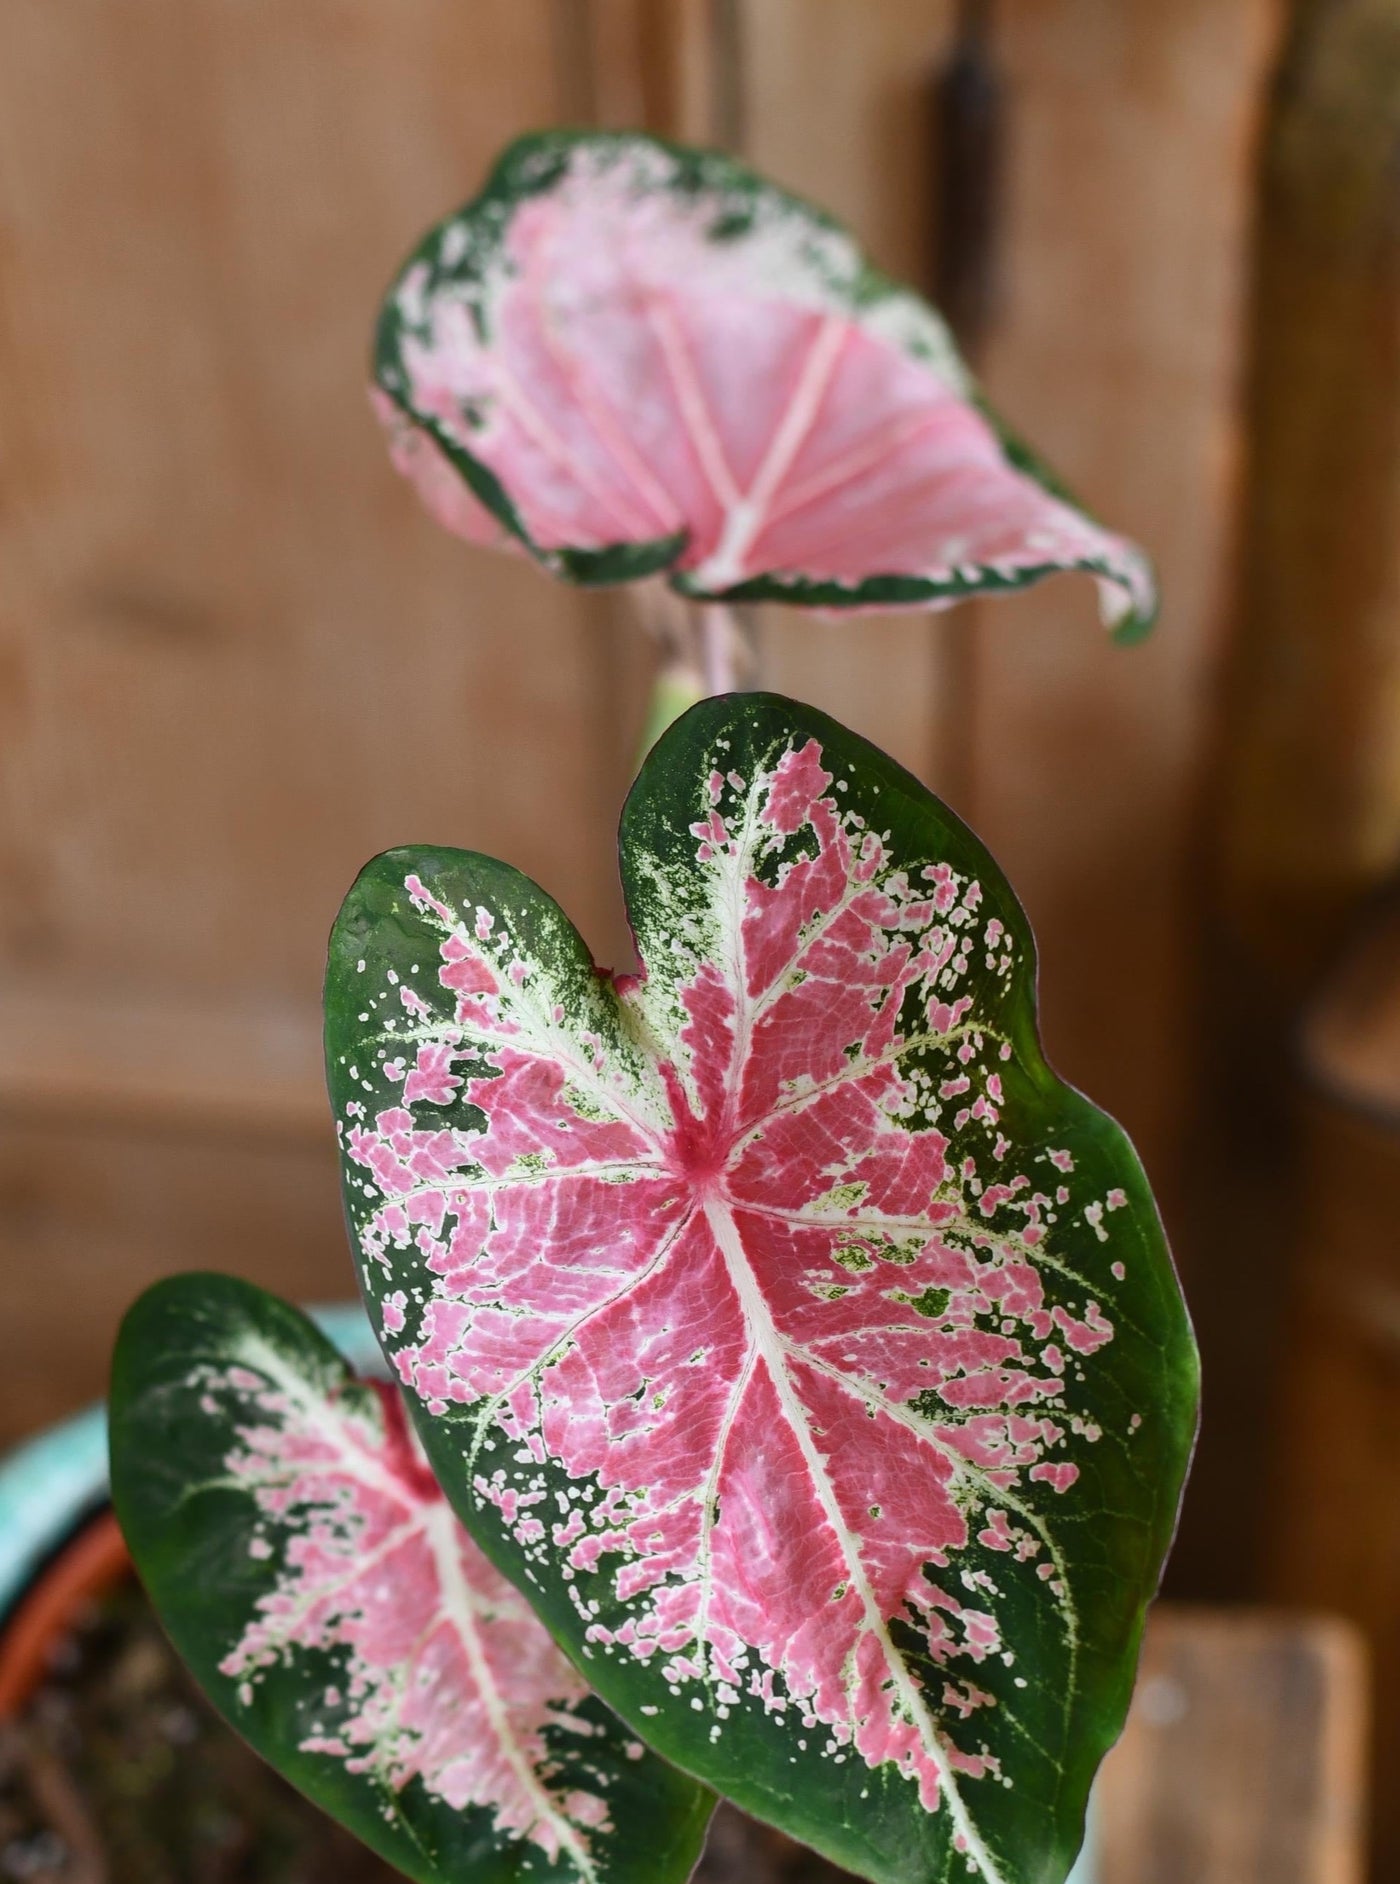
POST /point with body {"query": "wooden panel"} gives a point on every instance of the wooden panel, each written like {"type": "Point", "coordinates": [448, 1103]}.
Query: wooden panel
{"type": "Point", "coordinates": [239, 658]}
{"type": "Point", "coordinates": [1117, 346]}
{"type": "Point", "coordinates": [653, 65]}
{"type": "Point", "coordinates": [1312, 775]}
{"type": "Point", "coordinates": [91, 1211]}
{"type": "Point", "coordinates": [1127, 189]}
{"type": "Point", "coordinates": [1243, 1761]}
{"type": "Point", "coordinates": [257, 596]}
{"type": "Point", "coordinates": [163, 1063]}
{"type": "Point", "coordinates": [1127, 196]}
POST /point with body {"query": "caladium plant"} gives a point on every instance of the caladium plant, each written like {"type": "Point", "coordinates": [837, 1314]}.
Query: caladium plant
{"type": "Point", "coordinates": [774, 1317]}
{"type": "Point", "coordinates": [307, 1566]}
{"type": "Point", "coordinates": [793, 1393]}
{"type": "Point", "coordinates": [630, 358]}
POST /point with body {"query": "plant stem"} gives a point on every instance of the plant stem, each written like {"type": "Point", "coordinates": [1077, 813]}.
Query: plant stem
{"type": "Point", "coordinates": [718, 634]}
{"type": "Point", "coordinates": [705, 649]}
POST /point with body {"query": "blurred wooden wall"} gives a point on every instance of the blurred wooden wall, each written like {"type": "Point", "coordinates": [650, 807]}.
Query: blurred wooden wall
{"type": "Point", "coordinates": [235, 658]}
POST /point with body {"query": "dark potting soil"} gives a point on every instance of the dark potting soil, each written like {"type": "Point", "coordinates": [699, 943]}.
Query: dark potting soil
{"type": "Point", "coordinates": [121, 1773]}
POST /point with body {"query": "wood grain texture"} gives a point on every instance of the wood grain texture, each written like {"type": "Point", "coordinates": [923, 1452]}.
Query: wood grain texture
{"type": "Point", "coordinates": [235, 658]}
{"type": "Point", "coordinates": [1335, 1534]}
{"type": "Point", "coordinates": [1312, 771]}
{"type": "Point", "coordinates": [92, 1210]}
{"type": "Point", "coordinates": [1128, 192]}
{"type": "Point", "coordinates": [241, 657]}
{"type": "Point", "coordinates": [227, 1071]}
{"type": "Point", "coordinates": [1126, 196]}
{"type": "Point", "coordinates": [1297, 1281]}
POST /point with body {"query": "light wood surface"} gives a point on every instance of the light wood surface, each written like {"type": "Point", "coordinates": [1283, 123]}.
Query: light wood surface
{"type": "Point", "coordinates": [1127, 193]}
{"type": "Point", "coordinates": [241, 658]}
{"type": "Point", "coordinates": [837, 103]}
{"type": "Point", "coordinates": [1129, 196]}
{"type": "Point", "coordinates": [1243, 1760]}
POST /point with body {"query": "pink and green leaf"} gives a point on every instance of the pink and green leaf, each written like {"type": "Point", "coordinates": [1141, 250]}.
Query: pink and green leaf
{"type": "Point", "coordinates": [775, 1318]}
{"type": "Point", "coordinates": [305, 1563]}
{"type": "Point", "coordinates": [635, 358]}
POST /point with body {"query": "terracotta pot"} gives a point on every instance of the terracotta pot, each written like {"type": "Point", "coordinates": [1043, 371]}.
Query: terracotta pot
{"type": "Point", "coordinates": [85, 1568]}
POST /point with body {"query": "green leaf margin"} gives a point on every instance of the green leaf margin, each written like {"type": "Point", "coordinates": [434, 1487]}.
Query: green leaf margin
{"type": "Point", "coordinates": [188, 1526]}
{"type": "Point", "coordinates": [1121, 1564]}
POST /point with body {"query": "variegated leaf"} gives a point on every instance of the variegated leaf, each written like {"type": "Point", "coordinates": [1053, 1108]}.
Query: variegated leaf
{"type": "Point", "coordinates": [806, 1350]}
{"type": "Point", "coordinates": [635, 358]}
{"type": "Point", "coordinates": [299, 1552]}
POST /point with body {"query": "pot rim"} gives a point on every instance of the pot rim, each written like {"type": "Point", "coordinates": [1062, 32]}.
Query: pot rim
{"type": "Point", "coordinates": [87, 1566]}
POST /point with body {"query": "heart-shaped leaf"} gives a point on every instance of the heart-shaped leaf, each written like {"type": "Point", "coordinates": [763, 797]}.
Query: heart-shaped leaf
{"type": "Point", "coordinates": [808, 1352]}
{"type": "Point", "coordinates": [639, 358]}
{"type": "Point", "coordinates": [307, 1567]}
